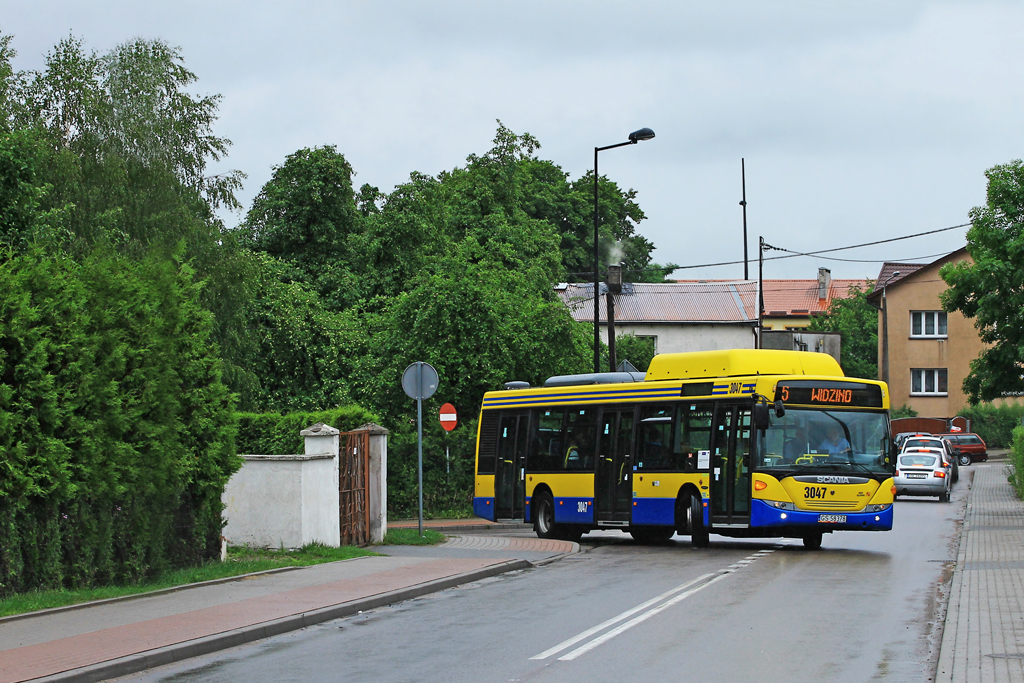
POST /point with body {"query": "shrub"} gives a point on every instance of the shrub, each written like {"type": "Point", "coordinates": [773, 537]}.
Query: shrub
{"type": "Point", "coordinates": [116, 429]}
{"type": "Point", "coordinates": [278, 434]}
{"type": "Point", "coordinates": [994, 425]}
{"type": "Point", "coordinates": [1015, 466]}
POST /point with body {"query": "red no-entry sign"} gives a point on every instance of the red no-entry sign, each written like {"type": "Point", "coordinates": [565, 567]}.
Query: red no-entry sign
{"type": "Point", "coordinates": [449, 419]}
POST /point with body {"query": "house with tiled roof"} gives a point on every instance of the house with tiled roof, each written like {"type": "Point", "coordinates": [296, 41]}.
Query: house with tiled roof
{"type": "Point", "coordinates": [790, 304]}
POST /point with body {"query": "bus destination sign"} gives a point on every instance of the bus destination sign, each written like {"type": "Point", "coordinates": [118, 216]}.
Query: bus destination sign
{"type": "Point", "coordinates": [809, 392]}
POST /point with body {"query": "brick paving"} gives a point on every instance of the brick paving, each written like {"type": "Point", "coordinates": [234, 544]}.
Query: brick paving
{"type": "Point", "coordinates": [126, 636]}
{"type": "Point", "coordinates": [983, 638]}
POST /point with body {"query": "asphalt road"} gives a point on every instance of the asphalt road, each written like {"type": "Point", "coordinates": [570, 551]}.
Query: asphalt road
{"type": "Point", "coordinates": [866, 607]}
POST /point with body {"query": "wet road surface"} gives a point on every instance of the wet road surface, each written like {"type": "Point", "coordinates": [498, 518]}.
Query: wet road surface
{"type": "Point", "coordinates": [867, 607]}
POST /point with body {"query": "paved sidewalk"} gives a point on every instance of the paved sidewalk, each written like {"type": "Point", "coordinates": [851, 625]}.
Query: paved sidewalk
{"type": "Point", "coordinates": [983, 639]}
{"type": "Point", "coordinates": [470, 524]}
{"type": "Point", "coordinates": [116, 638]}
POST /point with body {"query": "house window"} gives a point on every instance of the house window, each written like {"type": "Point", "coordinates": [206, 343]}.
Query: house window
{"type": "Point", "coordinates": [928, 382]}
{"type": "Point", "coordinates": [927, 323]}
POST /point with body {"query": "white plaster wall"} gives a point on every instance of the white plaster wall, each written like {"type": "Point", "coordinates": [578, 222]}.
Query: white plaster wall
{"type": "Point", "coordinates": [320, 501]}
{"type": "Point", "coordinates": [378, 487]}
{"type": "Point", "coordinates": [682, 338]}
{"type": "Point", "coordinates": [263, 504]}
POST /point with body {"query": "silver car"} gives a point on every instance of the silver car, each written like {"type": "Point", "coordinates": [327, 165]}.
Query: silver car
{"type": "Point", "coordinates": [922, 472]}
{"type": "Point", "coordinates": [936, 444]}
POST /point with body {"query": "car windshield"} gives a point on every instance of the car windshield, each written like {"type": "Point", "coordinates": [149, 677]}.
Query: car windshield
{"type": "Point", "coordinates": [827, 440]}
{"type": "Point", "coordinates": [922, 443]}
{"type": "Point", "coordinates": [918, 460]}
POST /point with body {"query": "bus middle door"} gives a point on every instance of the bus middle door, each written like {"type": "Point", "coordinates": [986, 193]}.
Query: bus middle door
{"type": "Point", "coordinates": [510, 480]}
{"type": "Point", "coordinates": [730, 466]}
{"type": "Point", "coordinates": [613, 486]}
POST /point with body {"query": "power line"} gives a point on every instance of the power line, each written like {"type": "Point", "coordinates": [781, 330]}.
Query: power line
{"type": "Point", "coordinates": [794, 254]}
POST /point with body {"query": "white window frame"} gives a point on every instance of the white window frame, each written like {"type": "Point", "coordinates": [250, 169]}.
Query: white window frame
{"type": "Point", "coordinates": [926, 317]}
{"type": "Point", "coordinates": [923, 375]}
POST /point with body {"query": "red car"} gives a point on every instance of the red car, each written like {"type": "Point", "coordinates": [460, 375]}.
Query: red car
{"type": "Point", "coordinates": [971, 446]}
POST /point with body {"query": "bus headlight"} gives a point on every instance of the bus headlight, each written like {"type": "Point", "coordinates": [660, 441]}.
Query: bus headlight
{"type": "Point", "coordinates": [877, 508]}
{"type": "Point", "coordinates": [779, 505]}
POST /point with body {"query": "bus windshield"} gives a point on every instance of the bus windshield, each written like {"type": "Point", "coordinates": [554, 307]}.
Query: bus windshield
{"type": "Point", "coordinates": [827, 440]}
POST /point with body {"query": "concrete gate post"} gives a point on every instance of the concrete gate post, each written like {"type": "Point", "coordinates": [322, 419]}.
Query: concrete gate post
{"type": "Point", "coordinates": [378, 493]}
{"type": "Point", "coordinates": [320, 500]}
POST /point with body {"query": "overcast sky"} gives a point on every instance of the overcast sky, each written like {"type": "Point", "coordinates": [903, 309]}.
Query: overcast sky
{"type": "Point", "coordinates": [858, 120]}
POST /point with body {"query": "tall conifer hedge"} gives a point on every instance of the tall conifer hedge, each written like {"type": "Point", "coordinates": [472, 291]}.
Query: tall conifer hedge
{"type": "Point", "coordinates": [116, 431]}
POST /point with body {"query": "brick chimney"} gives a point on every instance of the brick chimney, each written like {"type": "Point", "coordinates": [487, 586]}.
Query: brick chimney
{"type": "Point", "coordinates": [824, 282]}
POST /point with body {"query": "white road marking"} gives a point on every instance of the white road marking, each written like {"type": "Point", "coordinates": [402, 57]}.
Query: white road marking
{"type": "Point", "coordinates": [636, 620]}
{"type": "Point", "coordinates": [666, 599]}
{"type": "Point", "coordinates": [614, 620]}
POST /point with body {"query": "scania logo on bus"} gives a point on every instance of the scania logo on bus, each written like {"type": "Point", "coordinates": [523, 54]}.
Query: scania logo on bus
{"type": "Point", "coordinates": [826, 479]}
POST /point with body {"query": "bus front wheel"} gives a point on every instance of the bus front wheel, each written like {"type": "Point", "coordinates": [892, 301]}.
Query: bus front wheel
{"type": "Point", "coordinates": [544, 520]}
{"type": "Point", "coordinates": [812, 541]}
{"type": "Point", "coordinates": [699, 536]}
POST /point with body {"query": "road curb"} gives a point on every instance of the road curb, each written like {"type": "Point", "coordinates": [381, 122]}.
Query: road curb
{"type": "Point", "coordinates": [222, 641]}
{"type": "Point", "coordinates": [162, 591]}
{"type": "Point", "coordinates": [951, 626]}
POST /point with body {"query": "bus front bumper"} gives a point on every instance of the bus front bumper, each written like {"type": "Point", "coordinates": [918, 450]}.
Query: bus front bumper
{"type": "Point", "coordinates": [764, 515]}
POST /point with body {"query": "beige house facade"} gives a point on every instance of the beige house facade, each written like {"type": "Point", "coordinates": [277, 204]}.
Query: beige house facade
{"type": "Point", "coordinates": [929, 350]}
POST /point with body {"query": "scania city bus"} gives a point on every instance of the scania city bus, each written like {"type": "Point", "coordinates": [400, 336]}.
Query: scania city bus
{"type": "Point", "coordinates": [740, 443]}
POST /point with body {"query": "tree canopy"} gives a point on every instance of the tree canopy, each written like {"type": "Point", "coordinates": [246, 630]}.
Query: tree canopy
{"type": "Point", "coordinates": [856, 320]}
{"type": "Point", "coordinates": [991, 288]}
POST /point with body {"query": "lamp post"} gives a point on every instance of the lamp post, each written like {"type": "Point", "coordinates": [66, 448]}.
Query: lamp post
{"type": "Point", "coordinates": [634, 137]}
{"type": "Point", "coordinates": [885, 328]}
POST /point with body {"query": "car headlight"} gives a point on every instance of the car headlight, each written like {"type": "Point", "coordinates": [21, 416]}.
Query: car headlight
{"type": "Point", "coordinates": [779, 505]}
{"type": "Point", "coordinates": [872, 507]}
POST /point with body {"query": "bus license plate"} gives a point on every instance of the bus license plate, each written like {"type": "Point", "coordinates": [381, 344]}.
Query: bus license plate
{"type": "Point", "coordinates": [832, 519]}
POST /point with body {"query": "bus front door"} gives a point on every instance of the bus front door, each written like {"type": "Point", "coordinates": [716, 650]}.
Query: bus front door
{"type": "Point", "coordinates": [730, 467]}
{"type": "Point", "coordinates": [510, 475]}
{"type": "Point", "coordinates": [613, 486]}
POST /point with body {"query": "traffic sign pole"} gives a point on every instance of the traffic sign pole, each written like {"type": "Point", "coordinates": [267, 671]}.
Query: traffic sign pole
{"type": "Point", "coordinates": [419, 381]}
{"type": "Point", "coordinates": [419, 464]}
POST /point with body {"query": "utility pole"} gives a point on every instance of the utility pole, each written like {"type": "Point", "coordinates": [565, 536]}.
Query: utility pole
{"type": "Point", "coordinates": [743, 181]}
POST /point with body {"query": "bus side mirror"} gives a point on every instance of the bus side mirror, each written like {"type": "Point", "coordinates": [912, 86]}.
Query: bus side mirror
{"type": "Point", "coordinates": [780, 409]}
{"type": "Point", "coordinates": [761, 416]}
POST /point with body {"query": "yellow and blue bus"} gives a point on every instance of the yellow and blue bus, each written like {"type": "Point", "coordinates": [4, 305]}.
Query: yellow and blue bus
{"type": "Point", "coordinates": [740, 443]}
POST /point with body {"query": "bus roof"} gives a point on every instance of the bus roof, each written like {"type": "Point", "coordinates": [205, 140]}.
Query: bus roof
{"type": "Point", "coordinates": [739, 363]}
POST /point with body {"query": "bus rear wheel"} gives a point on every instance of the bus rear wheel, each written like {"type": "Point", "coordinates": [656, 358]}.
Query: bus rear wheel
{"type": "Point", "coordinates": [544, 516]}
{"type": "Point", "coordinates": [812, 541]}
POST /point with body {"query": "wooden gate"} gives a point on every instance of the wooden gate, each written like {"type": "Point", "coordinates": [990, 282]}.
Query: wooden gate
{"type": "Point", "coordinates": [353, 487]}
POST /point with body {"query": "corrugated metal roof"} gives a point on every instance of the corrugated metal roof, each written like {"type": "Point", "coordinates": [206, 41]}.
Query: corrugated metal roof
{"type": "Point", "coordinates": [722, 301]}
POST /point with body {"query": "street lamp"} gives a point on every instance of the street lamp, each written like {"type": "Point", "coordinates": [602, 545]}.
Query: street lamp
{"type": "Point", "coordinates": [634, 137]}
{"type": "Point", "coordinates": [885, 328]}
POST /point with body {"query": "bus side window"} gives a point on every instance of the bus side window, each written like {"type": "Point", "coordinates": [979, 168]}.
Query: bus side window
{"type": "Point", "coordinates": [488, 447]}
{"type": "Point", "coordinates": [546, 452]}
{"type": "Point", "coordinates": [654, 450]}
{"type": "Point", "coordinates": [694, 433]}
{"type": "Point", "coordinates": [578, 453]}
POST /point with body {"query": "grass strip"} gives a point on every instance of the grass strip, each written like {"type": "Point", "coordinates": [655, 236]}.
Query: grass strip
{"type": "Point", "coordinates": [240, 560]}
{"type": "Point", "coordinates": [412, 537]}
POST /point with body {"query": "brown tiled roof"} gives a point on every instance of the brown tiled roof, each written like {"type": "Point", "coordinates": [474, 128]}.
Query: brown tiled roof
{"type": "Point", "coordinates": [720, 301]}
{"type": "Point", "coordinates": [800, 297]}
{"type": "Point", "coordinates": [885, 276]}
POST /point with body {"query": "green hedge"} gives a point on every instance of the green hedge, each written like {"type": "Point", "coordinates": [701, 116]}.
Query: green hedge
{"type": "Point", "coordinates": [116, 431]}
{"type": "Point", "coordinates": [994, 425]}
{"type": "Point", "coordinates": [278, 434]}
